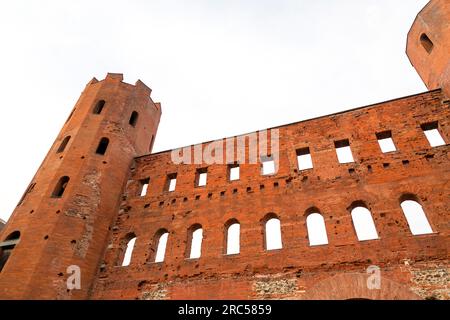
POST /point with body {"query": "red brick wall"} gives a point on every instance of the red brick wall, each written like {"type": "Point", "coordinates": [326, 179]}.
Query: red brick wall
{"type": "Point", "coordinates": [73, 230]}
{"type": "Point", "coordinates": [100, 208]}
{"type": "Point", "coordinates": [411, 266]}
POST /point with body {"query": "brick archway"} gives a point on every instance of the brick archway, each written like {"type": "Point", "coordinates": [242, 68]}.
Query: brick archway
{"type": "Point", "coordinates": [354, 286]}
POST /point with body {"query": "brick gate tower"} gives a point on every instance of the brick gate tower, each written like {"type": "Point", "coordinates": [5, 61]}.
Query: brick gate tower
{"type": "Point", "coordinates": [428, 45]}
{"type": "Point", "coordinates": [64, 217]}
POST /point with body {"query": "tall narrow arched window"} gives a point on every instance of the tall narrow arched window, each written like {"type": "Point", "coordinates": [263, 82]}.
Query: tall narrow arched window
{"type": "Point", "coordinates": [98, 107]}
{"type": "Point", "coordinates": [151, 143]}
{"type": "Point", "coordinates": [195, 241]}
{"type": "Point", "coordinates": [426, 43]}
{"type": "Point", "coordinates": [414, 214]}
{"type": "Point", "coordinates": [129, 252]}
{"type": "Point", "coordinates": [272, 233]}
{"type": "Point", "coordinates": [60, 187]}
{"type": "Point", "coordinates": [161, 241]}
{"type": "Point", "coordinates": [63, 144]}
{"type": "Point", "coordinates": [233, 230]}
{"type": "Point", "coordinates": [317, 232]}
{"type": "Point", "coordinates": [133, 118]}
{"type": "Point", "coordinates": [363, 223]}
{"type": "Point", "coordinates": [102, 146]}
{"type": "Point", "coordinates": [7, 247]}
{"type": "Point", "coordinates": [29, 190]}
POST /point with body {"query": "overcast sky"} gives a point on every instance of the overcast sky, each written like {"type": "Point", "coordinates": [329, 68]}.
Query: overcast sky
{"type": "Point", "coordinates": [219, 68]}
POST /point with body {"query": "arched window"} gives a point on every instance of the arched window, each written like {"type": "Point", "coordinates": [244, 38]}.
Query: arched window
{"type": "Point", "coordinates": [99, 107]}
{"type": "Point", "coordinates": [63, 144]}
{"type": "Point", "coordinates": [427, 44]}
{"type": "Point", "coordinates": [151, 144]}
{"type": "Point", "coordinates": [414, 214]}
{"type": "Point", "coordinates": [29, 190]}
{"type": "Point", "coordinates": [233, 230]}
{"type": "Point", "coordinates": [7, 246]}
{"type": "Point", "coordinates": [133, 118]}
{"type": "Point", "coordinates": [272, 233]}
{"type": "Point", "coordinates": [161, 241]}
{"type": "Point", "coordinates": [195, 241]}
{"type": "Point", "coordinates": [60, 187]}
{"type": "Point", "coordinates": [102, 146]}
{"type": "Point", "coordinates": [363, 223]}
{"type": "Point", "coordinates": [129, 251]}
{"type": "Point", "coordinates": [317, 232]}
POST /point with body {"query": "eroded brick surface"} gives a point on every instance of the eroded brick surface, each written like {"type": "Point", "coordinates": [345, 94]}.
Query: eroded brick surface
{"type": "Point", "coordinates": [272, 287]}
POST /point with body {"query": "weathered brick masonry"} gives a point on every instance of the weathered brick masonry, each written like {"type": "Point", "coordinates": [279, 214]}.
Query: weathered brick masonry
{"type": "Point", "coordinates": [84, 204]}
{"type": "Point", "coordinates": [297, 270]}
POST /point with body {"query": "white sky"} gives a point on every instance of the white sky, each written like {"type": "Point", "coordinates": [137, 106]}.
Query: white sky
{"type": "Point", "coordinates": [219, 68]}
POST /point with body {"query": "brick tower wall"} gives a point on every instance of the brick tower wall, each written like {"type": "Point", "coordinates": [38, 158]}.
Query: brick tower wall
{"type": "Point", "coordinates": [73, 229]}
{"type": "Point", "coordinates": [411, 266]}
{"type": "Point", "coordinates": [428, 45]}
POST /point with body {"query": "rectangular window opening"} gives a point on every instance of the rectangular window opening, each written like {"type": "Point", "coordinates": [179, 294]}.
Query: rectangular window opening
{"type": "Point", "coordinates": [268, 165]}
{"type": "Point", "coordinates": [304, 160]}
{"type": "Point", "coordinates": [233, 172]}
{"type": "Point", "coordinates": [385, 141]}
{"type": "Point", "coordinates": [144, 186]}
{"type": "Point", "coordinates": [171, 182]}
{"type": "Point", "coordinates": [202, 175]}
{"type": "Point", "coordinates": [431, 131]}
{"type": "Point", "coordinates": [343, 151]}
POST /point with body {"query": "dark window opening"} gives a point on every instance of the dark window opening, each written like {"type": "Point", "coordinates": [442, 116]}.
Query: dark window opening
{"type": "Point", "coordinates": [429, 126]}
{"type": "Point", "coordinates": [151, 144]}
{"type": "Point", "coordinates": [102, 146]}
{"type": "Point", "coordinates": [63, 144]}
{"type": "Point", "coordinates": [29, 189]}
{"type": "Point", "coordinates": [7, 246]}
{"type": "Point", "coordinates": [133, 119]}
{"type": "Point", "coordinates": [99, 107]}
{"type": "Point", "coordinates": [60, 187]}
{"type": "Point", "coordinates": [427, 44]}
{"type": "Point", "coordinates": [342, 143]}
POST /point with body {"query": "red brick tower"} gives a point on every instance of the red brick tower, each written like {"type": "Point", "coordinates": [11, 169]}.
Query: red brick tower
{"type": "Point", "coordinates": [65, 215]}
{"type": "Point", "coordinates": [428, 45]}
